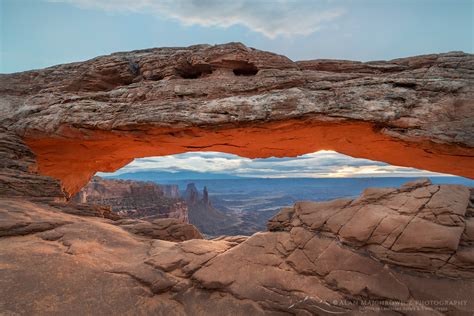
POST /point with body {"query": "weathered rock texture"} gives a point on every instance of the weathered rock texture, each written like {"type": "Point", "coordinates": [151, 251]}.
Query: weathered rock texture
{"type": "Point", "coordinates": [169, 229]}
{"type": "Point", "coordinates": [98, 115]}
{"type": "Point", "coordinates": [348, 257]}
{"type": "Point", "coordinates": [422, 226]}
{"type": "Point", "coordinates": [18, 171]}
{"type": "Point", "coordinates": [409, 246]}
{"type": "Point", "coordinates": [209, 220]}
{"type": "Point", "coordinates": [135, 199]}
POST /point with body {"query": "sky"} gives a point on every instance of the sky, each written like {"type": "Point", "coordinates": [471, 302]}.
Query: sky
{"type": "Point", "coordinates": [322, 164]}
{"type": "Point", "coordinates": [40, 33]}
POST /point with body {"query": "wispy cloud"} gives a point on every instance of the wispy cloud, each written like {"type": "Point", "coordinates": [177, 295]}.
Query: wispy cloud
{"type": "Point", "coordinates": [319, 164]}
{"type": "Point", "coordinates": [271, 18]}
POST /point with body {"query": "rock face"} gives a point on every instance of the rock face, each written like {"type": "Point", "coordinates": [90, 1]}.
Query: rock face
{"type": "Point", "coordinates": [191, 194]}
{"type": "Point", "coordinates": [135, 199]}
{"type": "Point", "coordinates": [390, 251]}
{"type": "Point", "coordinates": [203, 215]}
{"type": "Point", "coordinates": [205, 197]}
{"type": "Point", "coordinates": [421, 226]}
{"type": "Point", "coordinates": [169, 229]}
{"type": "Point", "coordinates": [170, 190]}
{"type": "Point", "coordinates": [98, 115]}
{"type": "Point", "coordinates": [18, 171]}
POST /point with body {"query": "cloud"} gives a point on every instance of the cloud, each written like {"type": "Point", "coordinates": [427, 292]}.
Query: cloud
{"type": "Point", "coordinates": [200, 162]}
{"type": "Point", "coordinates": [319, 164]}
{"type": "Point", "coordinates": [270, 18]}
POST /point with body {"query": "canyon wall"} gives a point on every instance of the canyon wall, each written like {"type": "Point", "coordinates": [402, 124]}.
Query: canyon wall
{"type": "Point", "coordinates": [100, 114]}
{"type": "Point", "coordinates": [134, 199]}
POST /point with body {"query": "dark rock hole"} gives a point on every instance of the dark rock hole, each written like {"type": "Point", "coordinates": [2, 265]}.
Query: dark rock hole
{"type": "Point", "coordinates": [194, 71]}
{"type": "Point", "coordinates": [245, 70]}
{"type": "Point", "coordinates": [408, 85]}
{"type": "Point", "coordinates": [134, 68]}
{"type": "Point", "coordinates": [155, 77]}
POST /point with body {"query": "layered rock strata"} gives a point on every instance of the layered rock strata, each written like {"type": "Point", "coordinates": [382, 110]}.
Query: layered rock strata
{"type": "Point", "coordinates": [421, 226]}
{"type": "Point", "coordinates": [134, 199]}
{"type": "Point", "coordinates": [19, 171]}
{"type": "Point", "coordinates": [100, 114]}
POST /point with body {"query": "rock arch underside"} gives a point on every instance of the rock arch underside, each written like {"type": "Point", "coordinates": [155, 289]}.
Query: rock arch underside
{"type": "Point", "coordinates": [60, 125]}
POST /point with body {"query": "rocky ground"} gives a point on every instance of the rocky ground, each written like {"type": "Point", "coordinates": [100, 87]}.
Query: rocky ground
{"type": "Point", "coordinates": [390, 251]}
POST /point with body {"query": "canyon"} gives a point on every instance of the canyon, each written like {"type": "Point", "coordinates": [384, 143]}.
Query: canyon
{"type": "Point", "coordinates": [134, 199]}
{"type": "Point", "coordinates": [148, 201]}
{"type": "Point", "coordinates": [406, 247]}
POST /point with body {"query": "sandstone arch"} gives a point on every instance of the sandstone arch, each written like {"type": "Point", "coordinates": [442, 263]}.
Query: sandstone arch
{"type": "Point", "coordinates": [98, 115]}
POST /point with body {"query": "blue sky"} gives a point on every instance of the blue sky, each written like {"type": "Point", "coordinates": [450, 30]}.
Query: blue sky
{"type": "Point", "coordinates": [41, 33]}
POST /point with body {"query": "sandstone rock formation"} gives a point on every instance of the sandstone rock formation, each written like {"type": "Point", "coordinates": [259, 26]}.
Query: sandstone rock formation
{"type": "Point", "coordinates": [169, 229]}
{"type": "Point", "coordinates": [397, 249]}
{"type": "Point", "coordinates": [191, 194]}
{"type": "Point", "coordinates": [19, 171]}
{"type": "Point", "coordinates": [422, 226]}
{"type": "Point", "coordinates": [204, 216]}
{"type": "Point", "coordinates": [135, 199]}
{"type": "Point", "coordinates": [98, 115]}
{"type": "Point", "coordinates": [314, 261]}
{"type": "Point", "coordinates": [84, 209]}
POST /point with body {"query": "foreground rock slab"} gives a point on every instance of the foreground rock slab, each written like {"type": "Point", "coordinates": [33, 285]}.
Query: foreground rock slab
{"type": "Point", "coordinates": [348, 257]}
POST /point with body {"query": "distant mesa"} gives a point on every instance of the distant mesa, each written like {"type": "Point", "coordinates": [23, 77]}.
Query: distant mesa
{"type": "Point", "coordinates": [135, 199]}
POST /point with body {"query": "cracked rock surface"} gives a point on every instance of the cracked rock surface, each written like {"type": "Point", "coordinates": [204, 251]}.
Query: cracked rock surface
{"type": "Point", "coordinates": [408, 245]}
